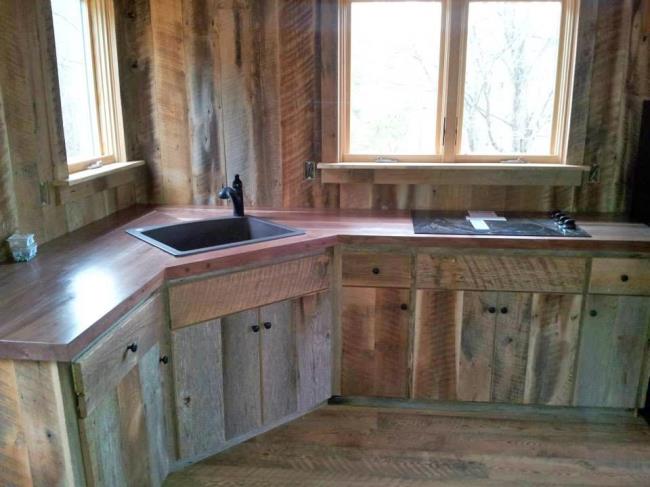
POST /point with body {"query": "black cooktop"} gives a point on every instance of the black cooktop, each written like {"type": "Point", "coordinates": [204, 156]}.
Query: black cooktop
{"type": "Point", "coordinates": [557, 224]}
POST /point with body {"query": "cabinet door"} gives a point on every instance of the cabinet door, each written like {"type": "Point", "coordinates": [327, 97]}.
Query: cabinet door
{"type": "Point", "coordinates": [375, 342]}
{"type": "Point", "coordinates": [612, 350]}
{"type": "Point", "coordinates": [278, 361]}
{"type": "Point", "coordinates": [312, 317]}
{"type": "Point", "coordinates": [241, 373]}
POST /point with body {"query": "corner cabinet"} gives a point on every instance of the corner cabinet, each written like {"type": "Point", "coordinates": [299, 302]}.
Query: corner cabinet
{"type": "Point", "coordinates": [123, 391]}
{"type": "Point", "coordinates": [241, 374]}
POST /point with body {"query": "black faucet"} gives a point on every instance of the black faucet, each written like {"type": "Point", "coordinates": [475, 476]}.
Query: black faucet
{"type": "Point", "coordinates": [236, 194]}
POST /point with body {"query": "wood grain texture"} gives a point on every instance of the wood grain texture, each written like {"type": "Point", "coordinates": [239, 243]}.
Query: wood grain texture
{"type": "Point", "coordinates": [438, 322]}
{"type": "Point", "coordinates": [242, 381]}
{"type": "Point", "coordinates": [313, 321]}
{"type": "Point", "coordinates": [620, 276]}
{"type": "Point", "coordinates": [376, 269]}
{"type": "Point", "coordinates": [99, 369]}
{"type": "Point", "coordinates": [356, 446]}
{"type": "Point", "coordinates": [552, 349]}
{"type": "Point", "coordinates": [199, 390]}
{"type": "Point", "coordinates": [278, 360]}
{"type": "Point", "coordinates": [501, 273]}
{"type": "Point", "coordinates": [475, 356]}
{"type": "Point", "coordinates": [194, 301]}
{"type": "Point", "coordinates": [375, 342]}
{"type": "Point", "coordinates": [612, 346]}
{"type": "Point", "coordinates": [511, 347]}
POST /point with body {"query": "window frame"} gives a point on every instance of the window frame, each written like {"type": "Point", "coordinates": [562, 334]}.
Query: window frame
{"type": "Point", "coordinates": [451, 86]}
{"type": "Point", "coordinates": [100, 19]}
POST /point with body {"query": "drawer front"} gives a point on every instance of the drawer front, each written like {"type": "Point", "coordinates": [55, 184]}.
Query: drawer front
{"type": "Point", "coordinates": [501, 273]}
{"type": "Point", "coordinates": [376, 269]}
{"type": "Point", "coordinates": [206, 299]}
{"type": "Point", "coordinates": [101, 368]}
{"type": "Point", "coordinates": [620, 276]}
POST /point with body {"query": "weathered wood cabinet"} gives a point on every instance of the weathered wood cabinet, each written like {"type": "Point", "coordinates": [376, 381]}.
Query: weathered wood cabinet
{"type": "Point", "coordinates": [252, 369]}
{"type": "Point", "coordinates": [520, 329]}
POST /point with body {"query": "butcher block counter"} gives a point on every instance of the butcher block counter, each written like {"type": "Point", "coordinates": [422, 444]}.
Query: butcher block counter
{"type": "Point", "coordinates": [79, 284]}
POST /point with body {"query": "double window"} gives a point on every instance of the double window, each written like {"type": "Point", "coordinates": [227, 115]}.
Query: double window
{"type": "Point", "coordinates": [456, 80]}
{"type": "Point", "coordinates": [84, 34]}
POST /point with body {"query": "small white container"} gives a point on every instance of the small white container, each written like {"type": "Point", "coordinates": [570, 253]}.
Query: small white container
{"type": "Point", "coordinates": [23, 246]}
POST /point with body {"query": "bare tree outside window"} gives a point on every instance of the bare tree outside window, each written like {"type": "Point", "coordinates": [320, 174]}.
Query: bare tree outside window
{"type": "Point", "coordinates": [511, 68]}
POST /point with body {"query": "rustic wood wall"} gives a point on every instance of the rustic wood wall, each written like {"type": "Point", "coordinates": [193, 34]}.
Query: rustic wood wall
{"type": "Point", "coordinates": [213, 88]}
{"type": "Point", "coordinates": [32, 148]}
{"type": "Point", "coordinates": [249, 87]}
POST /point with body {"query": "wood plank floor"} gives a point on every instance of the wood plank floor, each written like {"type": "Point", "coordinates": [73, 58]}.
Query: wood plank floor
{"type": "Point", "coordinates": [374, 446]}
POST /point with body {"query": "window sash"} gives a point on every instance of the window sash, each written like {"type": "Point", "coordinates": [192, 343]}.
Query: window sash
{"type": "Point", "coordinates": [453, 48]}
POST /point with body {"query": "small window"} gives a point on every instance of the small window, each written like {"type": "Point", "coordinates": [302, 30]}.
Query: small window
{"type": "Point", "coordinates": [456, 80]}
{"type": "Point", "coordinates": [88, 82]}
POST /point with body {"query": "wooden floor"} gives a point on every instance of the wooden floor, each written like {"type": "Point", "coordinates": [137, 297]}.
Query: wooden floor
{"type": "Point", "coordinates": [372, 446]}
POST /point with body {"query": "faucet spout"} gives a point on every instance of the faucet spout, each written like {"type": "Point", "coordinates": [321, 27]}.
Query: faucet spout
{"type": "Point", "coordinates": [236, 194]}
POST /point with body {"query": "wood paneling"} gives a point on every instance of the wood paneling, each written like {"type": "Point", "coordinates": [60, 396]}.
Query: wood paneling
{"type": "Point", "coordinates": [198, 387]}
{"type": "Point", "coordinates": [620, 276]}
{"type": "Point", "coordinates": [99, 369]}
{"type": "Point", "coordinates": [376, 269]}
{"type": "Point", "coordinates": [194, 301]}
{"type": "Point", "coordinates": [242, 386]}
{"type": "Point", "coordinates": [612, 346]}
{"type": "Point", "coordinates": [279, 357]}
{"type": "Point", "coordinates": [501, 273]}
{"type": "Point", "coordinates": [375, 323]}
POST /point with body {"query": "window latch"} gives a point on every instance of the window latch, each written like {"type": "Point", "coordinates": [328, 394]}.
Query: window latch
{"type": "Point", "coordinates": [385, 160]}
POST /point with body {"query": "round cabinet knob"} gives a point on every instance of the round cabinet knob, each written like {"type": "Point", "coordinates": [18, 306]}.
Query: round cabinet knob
{"type": "Point", "coordinates": [133, 347]}
{"type": "Point", "coordinates": [375, 270]}
{"type": "Point", "coordinates": [504, 310]}
{"type": "Point", "coordinates": [164, 359]}
{"type": "Point", "coordinates": [625, 278]}
{"type": "Point", "coordinates": [492, 310]}
{"type": "Point", "coordinates": [593, 312]}
{"type": "Point", "coordinates": [268, 325]}
{"type": "Point", "coordinates": [404, 306]}
{"type": "Point", "coordinates": [255, 328]}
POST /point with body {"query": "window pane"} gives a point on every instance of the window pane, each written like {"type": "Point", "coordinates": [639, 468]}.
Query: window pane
{"type": "Point", "coordinates": [395, 53]}
{"type": "Point", "coordinates": [512, 50]}
{"type": "Point", "coordinates": [75, 79]}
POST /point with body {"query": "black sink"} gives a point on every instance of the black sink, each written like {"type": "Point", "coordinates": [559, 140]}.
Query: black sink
{"type": "Point", "coordinates": [205, 235]}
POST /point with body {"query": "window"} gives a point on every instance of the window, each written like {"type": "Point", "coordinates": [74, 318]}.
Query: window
{"type": "Point", "coordinates": [88, 82]}
{"type": "Point", "coordinates": [456, 80]}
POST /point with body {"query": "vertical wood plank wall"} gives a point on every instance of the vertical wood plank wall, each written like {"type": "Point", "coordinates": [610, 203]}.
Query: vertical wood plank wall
{"type": "Point", "coordinates": [212, 88]}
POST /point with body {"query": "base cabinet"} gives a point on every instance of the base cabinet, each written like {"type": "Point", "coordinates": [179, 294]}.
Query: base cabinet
{"type": "Point", "coordinates": [375, 336]}
{"type": "Point", "coordinates": [613, 362]}
{"type": "Point", "coordinates": [242, 372]}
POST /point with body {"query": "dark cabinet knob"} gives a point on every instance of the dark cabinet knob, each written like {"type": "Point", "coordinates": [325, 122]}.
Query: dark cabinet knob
{"type": "Point", "coordinates": [255, 328]}
{"type": "Point", "coordinates": [404, 306]}
{"type": "Point", "coordinates": [625, 278]}
{"type": "Point", "coordinates": [504, 310]}
{"type": "Point", "coordinates": [268, 325]}
{"type": "Point", "coordinates": [375, 270]}
{"type": "Point", "coordinates": [593, 312]}
{"type": "Point", "coordinates": [133, 347]}
{"type": "Point", "coordinates": [492, 310]}
{"type": "Point", "coordinates": [164, 359]}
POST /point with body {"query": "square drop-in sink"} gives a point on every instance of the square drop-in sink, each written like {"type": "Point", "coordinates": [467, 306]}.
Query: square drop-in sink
{"type": "Point", "coordinates": [219, 233]}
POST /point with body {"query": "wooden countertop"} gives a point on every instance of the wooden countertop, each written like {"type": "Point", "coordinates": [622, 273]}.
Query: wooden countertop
{"type": "Point", "coordinates": [80, 284]}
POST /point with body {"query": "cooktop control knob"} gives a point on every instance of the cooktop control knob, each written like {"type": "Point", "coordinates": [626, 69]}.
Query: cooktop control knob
{"type": "Point", "coordinates": [569, 224]}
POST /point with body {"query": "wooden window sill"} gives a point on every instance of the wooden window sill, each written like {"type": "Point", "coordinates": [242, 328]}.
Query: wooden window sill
{"type": "Point", "coordinates": [101, 172]}
{"type": "Point", "coordinates": [484, 174]}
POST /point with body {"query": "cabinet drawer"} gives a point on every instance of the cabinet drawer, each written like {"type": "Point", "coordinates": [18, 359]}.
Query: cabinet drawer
{"type": "Point", "coordinates": [206, 299]}
{"type": "Point", "coordinates": [501, 273]}
{"type": "Point", "coordinates": [101, 368]}
{"type": "Point", "coordinates": [376, 269]}
{"type": "Point", "coordinates": [620, 276]}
